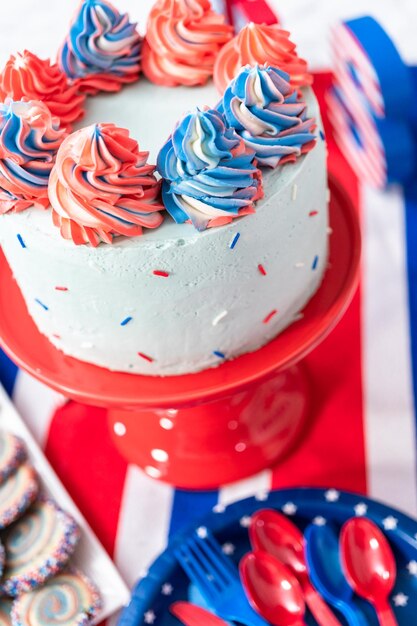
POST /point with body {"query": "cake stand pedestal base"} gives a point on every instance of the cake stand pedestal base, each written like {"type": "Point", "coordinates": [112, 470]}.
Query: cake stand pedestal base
{"type": "Point", "coordinates": [220, 441]}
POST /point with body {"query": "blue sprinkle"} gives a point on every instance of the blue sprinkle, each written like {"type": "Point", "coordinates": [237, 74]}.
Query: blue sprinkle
{"type": "Point", "coordinates": [42, 304]}
{"type": "Point", "coordinates": [234, 241]}
{"type": "Point", "coordinates": [20, 239]}
{"type": "Point", "coordinates": [322, 137]}
{"type": "Point", "coordinates": [315, 262]}
{"type": "Point", "coordinates": [219, 354]}
{"type": "Point", "coordinates": [126, 321]}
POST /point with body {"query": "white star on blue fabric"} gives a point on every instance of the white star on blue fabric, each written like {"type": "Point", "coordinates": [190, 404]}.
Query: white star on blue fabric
{"type": "Point", "coordinates": [228, 548]}
{"type": "Point", "coordinates": [412, 568]}
{"type": "Point", "coordinates": [149, 617]}
{"type": "Point", "coordinates": [332, 495]}
{"type": "Point", "coordinates": [289, 508]}
{"type": "Point", "coordinates": [167, 589]}
{"type": "Point", "coordinates": [361, 509]}
{"type": "Point", "coordinates": [319, 521]}
{"type": "Point", "coordinates": [390, 523]}
{"type": "Point", "coordinates": [400, 600]}
{"type": "Point", "coordinates": [245, 521]}
{"type": "Point", "coordinates": [219, 508]}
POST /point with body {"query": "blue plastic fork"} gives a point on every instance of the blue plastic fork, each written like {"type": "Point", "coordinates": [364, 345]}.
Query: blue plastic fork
{"type": "Point", "coordinates": [217, 579]}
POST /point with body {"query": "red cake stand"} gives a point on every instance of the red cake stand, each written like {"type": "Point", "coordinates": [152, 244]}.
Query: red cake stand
{"type": "Point", "coordinates": [207, 429]}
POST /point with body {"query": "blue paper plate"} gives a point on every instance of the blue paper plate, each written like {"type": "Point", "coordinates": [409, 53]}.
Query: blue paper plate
{"type": "Point", "coordinates": [167, 583]}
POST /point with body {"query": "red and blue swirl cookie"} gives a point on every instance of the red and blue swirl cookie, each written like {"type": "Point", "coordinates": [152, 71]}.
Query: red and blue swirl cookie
{"type": "Point", "coordinates": [17, 494]}
{"type": "Point", "coordinates": [37, 547]}
{"type": "Point", "coordinates": [12, 454]}
{"type": "Point", "coordinates": [5, 611]}
{"type": "Point", "coordinates": [69, 599]}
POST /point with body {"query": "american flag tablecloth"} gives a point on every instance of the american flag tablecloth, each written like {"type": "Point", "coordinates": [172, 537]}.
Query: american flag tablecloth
{"type": "Point", "coordinates": [361, 435]}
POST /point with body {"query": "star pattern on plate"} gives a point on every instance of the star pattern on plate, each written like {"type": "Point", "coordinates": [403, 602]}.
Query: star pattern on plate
{"type": "Point", "coordinates": [412, 568]}
{"type": "Point", "coordinates": [149, 617]}
{"type": "Point", "coordinates": [167, 589]}
{"type": "Point", "coordinates": [289, 508]}
{"type": "Point", "coordinates": [360, 509]}
{"type": "Point", "coordinates": [390, 523]}
{"type": "Point", "coordinates": [202, 532]}
{"type": "Point", "coordinates": [219, 508]}
{"type": "Point", "coordinates": [262, 496]}
{"type": "Point", "coordinates": [245, 521]}
{"type": "Point", "coordinates": [228, 548]}
{"type": "Point", "coordinates": [332, 495]}
{"type": "Point", "coordinates": [400, 600]}
{"type": "Point", "coordinates": [319, 521]}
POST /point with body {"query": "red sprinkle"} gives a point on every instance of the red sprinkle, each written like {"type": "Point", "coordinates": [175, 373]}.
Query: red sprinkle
{"type": "Point", "coordinates": [160, 273]}
{"type": "Point", "coordinates": [61, 288]}
{"type": "Point", "coordinates": [313, 213]}
{"type": "Point", "coordinates": [146, 357]}
{"type": "Point", "coordinates": [262, 269]}
{"type": "Point", "coordinates": [270, 316]}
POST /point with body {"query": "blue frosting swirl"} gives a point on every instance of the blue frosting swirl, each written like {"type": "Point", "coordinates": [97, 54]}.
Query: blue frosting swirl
{"type": "Point", "coordinates": [268, 114]}
{"type": "Point", "coordinates": [208, 172]}
{"type": "Point", "coordinates": [29, 140]}
{"type": "Point", "coordinates": [101, 41]}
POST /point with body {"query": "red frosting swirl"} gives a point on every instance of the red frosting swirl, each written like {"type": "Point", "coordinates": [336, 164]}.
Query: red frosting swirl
{"type": "Point", "coordinates": [259, 44]}
{"type": "Point", "coordinates": [101, 185]}
{"type": "Point", "coordinates": [182, 42]}
{"type": "Point", "coordinates": [26, 76]}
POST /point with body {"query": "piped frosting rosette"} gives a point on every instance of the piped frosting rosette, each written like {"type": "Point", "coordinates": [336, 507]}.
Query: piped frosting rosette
{"type": "Point", "coordinates": [29, 140]}
{"type": "Point", "coordinates": [182, 41]}
{"type": "Point", "coordinates": [26, 76]}
{"type": "Point", "coordinates": [102, 49]}
{"type": "Point", "coordinates": [266, 112]}
{"type": "Point", "coordinates": [259, 44]}
{"type": "Point", "coordinates": [209, 173]}
{"type": "Point", "coordinates": [102, 186]}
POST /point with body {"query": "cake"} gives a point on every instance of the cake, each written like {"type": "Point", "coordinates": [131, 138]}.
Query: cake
{"type": "Point", "coordinates": [204, 249]}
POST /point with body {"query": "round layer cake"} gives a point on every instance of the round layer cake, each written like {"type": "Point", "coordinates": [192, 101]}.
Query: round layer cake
{"type": "Point", "coordinates": [181, 297]}
{"type": "Point", "coordinates": [228, 290]}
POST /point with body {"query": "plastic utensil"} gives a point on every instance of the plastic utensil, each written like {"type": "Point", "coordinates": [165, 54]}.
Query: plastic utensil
{"type": "Point", "coordinates": [217, 578]}
{"type": "Point", "coordinates": [274, 533]}
{"type": "Point", "coordinates": [326, 573]}
{"type": "Point", "coordinates": [272, 589]}
{"type": "Point", "coordinates": [192, 615]}
{"type": "Point", "coordinates": [369, 565]}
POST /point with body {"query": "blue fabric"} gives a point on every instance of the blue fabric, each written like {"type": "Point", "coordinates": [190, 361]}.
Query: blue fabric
{"type": "Point", "coordinates": [8, 373]}
{"type": "Point", "coordinates": [189, 506]}
{"type": "Point", "coordinates": [411, 238]}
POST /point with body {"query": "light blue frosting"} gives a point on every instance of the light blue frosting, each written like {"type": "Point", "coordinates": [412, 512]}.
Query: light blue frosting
{"type": "Point", "coordinates": [207, 170]}
{"type": "Point", "coordinates": [268, 114]}
{"type": "Point", "coordinates": [100, 40]}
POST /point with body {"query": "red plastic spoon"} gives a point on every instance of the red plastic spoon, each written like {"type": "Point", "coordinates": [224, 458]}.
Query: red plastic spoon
{"type": "Point", "coordinates": [274, 533]}
{"type": "Point", "coordinates": [272, 590]}
{"type": "Point", "coordinates": [369, 565]}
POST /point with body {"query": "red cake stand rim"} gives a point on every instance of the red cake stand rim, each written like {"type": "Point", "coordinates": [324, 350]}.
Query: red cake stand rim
{"type": "Point", "coordinates": [97, 386]}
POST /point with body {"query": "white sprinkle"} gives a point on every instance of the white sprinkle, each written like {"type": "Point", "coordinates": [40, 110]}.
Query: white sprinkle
{"type": "Point", "coordinates": [219, 317]}
{"type": "Point", "coordinates": [299, 264]}
{"type": "Point", "coordinates": [294, 192]}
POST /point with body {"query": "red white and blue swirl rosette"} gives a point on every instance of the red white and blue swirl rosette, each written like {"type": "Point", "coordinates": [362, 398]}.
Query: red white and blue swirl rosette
{"type": "Point", "coordinates": [372, 103]}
